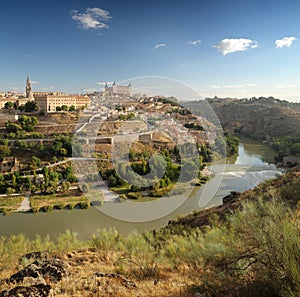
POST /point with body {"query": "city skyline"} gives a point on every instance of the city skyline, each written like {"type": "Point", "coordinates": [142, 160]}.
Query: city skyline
{"type": "Point", "coordinates": [229, 48]}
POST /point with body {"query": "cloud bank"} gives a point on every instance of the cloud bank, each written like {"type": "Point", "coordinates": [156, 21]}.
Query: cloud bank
{"type": "Point", "coordinates": [231, 45]}
{"type": "Point", "coordinates": [285, 42]}
{"type": "Point", "coordinates": [92, 19]}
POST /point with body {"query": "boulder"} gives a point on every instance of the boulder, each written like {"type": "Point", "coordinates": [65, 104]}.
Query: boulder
{"type": "Point", "coordinates": [53, 270]}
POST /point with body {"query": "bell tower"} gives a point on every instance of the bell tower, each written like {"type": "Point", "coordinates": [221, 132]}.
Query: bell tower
{"type": "Point", "coordinates": [29, 94]}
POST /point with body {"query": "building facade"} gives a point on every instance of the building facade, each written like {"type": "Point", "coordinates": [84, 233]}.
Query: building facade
{"type": "Point", "coordinates": [49, 102]}
{"type": "Point", "coordinates": [115, 89]}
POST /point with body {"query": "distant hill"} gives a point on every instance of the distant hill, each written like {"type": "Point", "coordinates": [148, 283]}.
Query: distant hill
{"type": "Point", "coordinates": [259, 118]}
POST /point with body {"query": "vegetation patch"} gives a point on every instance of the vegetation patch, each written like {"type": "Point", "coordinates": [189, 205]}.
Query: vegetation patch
{"type": "Point", "coordinates": [47, 203]}
{"type": "Point", "coordinates": [10, 203]}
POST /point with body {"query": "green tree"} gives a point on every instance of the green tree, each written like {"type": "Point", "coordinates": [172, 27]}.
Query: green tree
{"type": "Point", "coordinates": [35, 163]}
{"type": "Point", "coordinates": [72, 108]}
{"type": "Point", "coordinates": [8, 105]}
{"type": "Point", "coordinates": [30, 106]}
{"type": "Point", "coordinates": [112, 181]}
{"type": "Point", "coordinates": [10, 191]}
{"type": "Point", "coordinates": [4, 151]}
{"type": "Point", "coordinates": [27, 123]}
{"type": "Point", "coordinates": [12, 127]}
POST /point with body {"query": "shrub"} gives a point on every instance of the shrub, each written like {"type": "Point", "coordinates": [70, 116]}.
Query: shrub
{"type": "Point", "coordinates": [134, 195]}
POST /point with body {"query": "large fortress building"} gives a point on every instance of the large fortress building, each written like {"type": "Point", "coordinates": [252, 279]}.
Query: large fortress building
{"type": "Point", "coordinates": [115, 89]}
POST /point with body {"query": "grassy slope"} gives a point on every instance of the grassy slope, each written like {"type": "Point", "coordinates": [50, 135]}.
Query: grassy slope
{"type": "Point", "coordinates": [253, 252]}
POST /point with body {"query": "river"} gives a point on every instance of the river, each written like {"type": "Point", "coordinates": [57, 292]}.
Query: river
{"type": "Point", "coordinates": [253, 165]}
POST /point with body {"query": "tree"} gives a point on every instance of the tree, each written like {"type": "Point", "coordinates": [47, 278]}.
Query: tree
{"type": "Point", "coordinates": [10, 191]}
{"type": "Point", "coordinates": [112, 181]}
{"type": "Point", "coordinates": [64, 108]}
{"type": "Point", "coordinates": [4, 151]}
{"type": "Point", "coordinates": [8, 105]}
{"type": "Point", "coordinates": [27, 123]}
{"type": "Point", "coordinates": [72, 108]}
{"type": "Point", "coordinates": [65, 186]}
{"type": "Point", "coordinates": [69, 174]}
{"type": "Point", "coordinates": [35, 163]}
{"type": "Point", "coordinates": [30, 106]}
{"type": "Point", "coordinates": [12, 127]}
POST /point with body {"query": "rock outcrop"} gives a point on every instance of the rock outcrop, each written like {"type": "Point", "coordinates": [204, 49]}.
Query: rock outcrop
{"type": "Point", "coordinates": [34, 280]}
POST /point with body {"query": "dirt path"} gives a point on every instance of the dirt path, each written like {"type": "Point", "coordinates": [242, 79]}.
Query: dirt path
{"type": "Point", "coordinates": [25, 206]}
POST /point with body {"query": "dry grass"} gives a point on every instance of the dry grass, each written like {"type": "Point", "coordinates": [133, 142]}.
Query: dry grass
{"type": "Point", "coordinates": [10, 204]}
{"type": "Point", "coordinates": [86, 283]}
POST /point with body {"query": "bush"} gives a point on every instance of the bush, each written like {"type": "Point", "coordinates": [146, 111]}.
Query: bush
{"type": "Point", "coordinates": [134, 195]}
{"type": "Point", "coordinates": [47, 208]}
{"type": "Point", "coordinates": [84, 204]}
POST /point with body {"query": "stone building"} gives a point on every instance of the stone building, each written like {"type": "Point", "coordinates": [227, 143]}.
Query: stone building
{"type": "Point", "coordinates": [50, 101]}
{"type": "Point", "coordinates": [118, 90]}
{"type": "Point", "coordinates": [29, 94]}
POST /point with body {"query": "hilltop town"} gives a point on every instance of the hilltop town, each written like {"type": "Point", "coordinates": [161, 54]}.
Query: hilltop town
{"type": "Point", "coordinates": [48, 139]}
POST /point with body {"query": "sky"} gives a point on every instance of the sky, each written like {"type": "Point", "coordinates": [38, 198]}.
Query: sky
{"type": "Point", "coordinates": [219, 48]}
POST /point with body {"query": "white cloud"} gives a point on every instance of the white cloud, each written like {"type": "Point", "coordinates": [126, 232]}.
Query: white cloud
{"type": "Point", "coordinates": [231, 45]}
{"type": "Point", "coordinates": [34, 82]}
{"type": "Point", "coordinates": [285, 42]}
{"type": "Point", "coordinates": [92, 19]}
{"type": "Point", "coordinates": [159, 45]}
{"type": "Point", "coordinates": [193, 42]}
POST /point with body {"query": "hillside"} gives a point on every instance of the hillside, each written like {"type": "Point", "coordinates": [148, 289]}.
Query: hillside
{"type": "Point", "coordinates": [260, 118]}
{"type": "Point", "coordinates": [285, 188]}
{"type": "Point", "coordinates": [247, 247]}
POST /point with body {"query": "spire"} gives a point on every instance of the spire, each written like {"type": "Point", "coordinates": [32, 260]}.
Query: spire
{"type": "Point", "coordinates": [28, 89]}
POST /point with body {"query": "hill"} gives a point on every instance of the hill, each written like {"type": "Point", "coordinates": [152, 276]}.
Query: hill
{"type": "Point", "coordinates": [260, 118]}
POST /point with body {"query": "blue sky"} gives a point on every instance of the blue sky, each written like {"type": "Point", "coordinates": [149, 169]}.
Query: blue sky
{"type": "Point", "coordinates": [224, 48]}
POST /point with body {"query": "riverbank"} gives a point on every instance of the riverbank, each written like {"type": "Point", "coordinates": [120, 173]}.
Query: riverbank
{"type": "Point", "coordinates": [143, 215]}
{"type": "Point", "coordinates": [238, 252]}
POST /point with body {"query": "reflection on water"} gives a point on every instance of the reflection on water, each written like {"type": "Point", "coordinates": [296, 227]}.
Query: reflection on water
{"type": "Point", "coordinates": [250, 168]}
{"type": "Point", "coordinates": [247, 158]}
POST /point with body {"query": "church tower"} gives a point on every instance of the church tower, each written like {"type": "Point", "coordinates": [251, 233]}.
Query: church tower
{"type": "Point", "coordinates": [29, 94]}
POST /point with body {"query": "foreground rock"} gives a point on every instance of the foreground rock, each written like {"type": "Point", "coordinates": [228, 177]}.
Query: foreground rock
{"type": "Point", "coordinates": [34, 280]}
